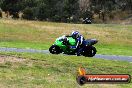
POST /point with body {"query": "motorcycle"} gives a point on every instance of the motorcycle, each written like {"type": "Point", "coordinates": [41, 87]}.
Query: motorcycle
{"type": "Point", "coordinates": [87, 48]}
{"type": "Point", "coordinates": [87, 21]}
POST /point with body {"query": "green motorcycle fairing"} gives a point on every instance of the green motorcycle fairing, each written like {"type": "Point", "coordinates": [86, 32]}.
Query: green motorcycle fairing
{"type": "Point", "coordinates": [72, 42]}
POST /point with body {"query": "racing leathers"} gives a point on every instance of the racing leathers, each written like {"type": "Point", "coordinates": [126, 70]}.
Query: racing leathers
{"type": "Point", "coordinates": [79, 42]}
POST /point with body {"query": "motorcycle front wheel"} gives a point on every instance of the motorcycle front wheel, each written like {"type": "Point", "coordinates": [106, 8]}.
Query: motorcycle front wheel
{"type": "Point", "coordinates": [54, 49]}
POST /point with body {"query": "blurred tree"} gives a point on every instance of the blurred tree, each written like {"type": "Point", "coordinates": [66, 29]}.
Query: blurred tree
{"type": "Point", "coordinates": [11, 6]}
{"type": "Point", "coordinates": [65, 10]}
{"type": "Point", "coordinates": [70, 10]}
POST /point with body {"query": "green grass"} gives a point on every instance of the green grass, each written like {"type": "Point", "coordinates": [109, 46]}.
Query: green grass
{"type": "Point", "coordinates": [57, 71]}
{"type": "Point", "coordinates": [114, 49]}
{"type": "Point", "coordinates": [113, 38]}
{"type": "Point", "coordinates": [27, 45]}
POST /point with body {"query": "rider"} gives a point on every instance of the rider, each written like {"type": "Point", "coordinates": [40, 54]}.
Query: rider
{"type": "Point", "coordinates": [79, 39]}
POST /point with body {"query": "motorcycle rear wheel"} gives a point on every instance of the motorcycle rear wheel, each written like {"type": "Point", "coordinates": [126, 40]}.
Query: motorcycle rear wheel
{"type": "Point", "coordinates": [90, 51]}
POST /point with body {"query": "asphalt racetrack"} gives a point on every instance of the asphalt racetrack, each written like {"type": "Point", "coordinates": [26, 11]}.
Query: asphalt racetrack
{"type": "Point", "coordinates": [100, 56]}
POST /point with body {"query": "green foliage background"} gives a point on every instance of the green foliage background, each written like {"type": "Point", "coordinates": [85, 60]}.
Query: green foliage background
{"type": "Point", "coordinates": [66, 10]}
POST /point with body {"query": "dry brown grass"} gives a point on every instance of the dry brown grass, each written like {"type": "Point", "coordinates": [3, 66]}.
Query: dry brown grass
{"type": "Point", "coordinates": [47, 32]}
{"type": "Point", "coordinates": [4, 59]}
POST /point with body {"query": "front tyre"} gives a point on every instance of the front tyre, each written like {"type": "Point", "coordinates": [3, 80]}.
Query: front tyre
{"type": "Point", "coordinates": [54, 49]}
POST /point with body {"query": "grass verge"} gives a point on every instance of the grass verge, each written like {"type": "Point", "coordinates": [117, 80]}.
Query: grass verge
{"type": "Point", "coordinates": [56, 71]}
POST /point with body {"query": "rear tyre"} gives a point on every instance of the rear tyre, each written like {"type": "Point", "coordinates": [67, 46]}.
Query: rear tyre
{"type": "Point", "coordinates": [90, 52]}
{"type": "Point", "coordinates": [54, 49]}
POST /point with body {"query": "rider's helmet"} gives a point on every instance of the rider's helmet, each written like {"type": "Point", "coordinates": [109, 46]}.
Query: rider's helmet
{"type": "Point", "coordinates": [75, 34]}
